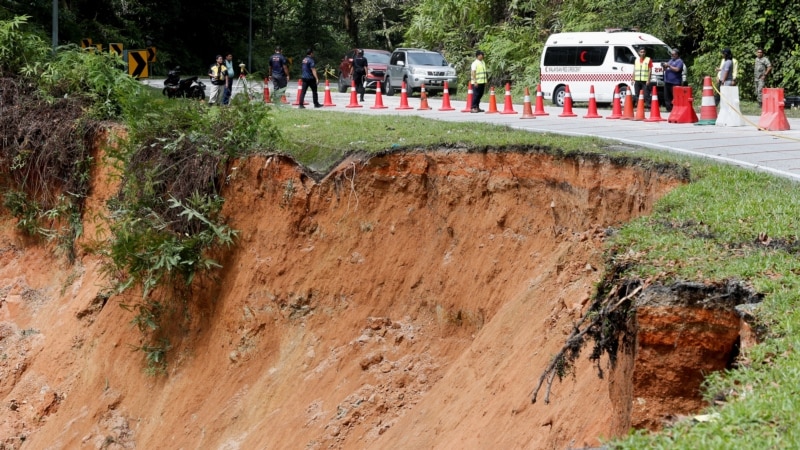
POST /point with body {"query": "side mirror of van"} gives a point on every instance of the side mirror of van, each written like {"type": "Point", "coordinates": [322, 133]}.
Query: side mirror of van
{"type": "Point", "coordinates": [400, 63]}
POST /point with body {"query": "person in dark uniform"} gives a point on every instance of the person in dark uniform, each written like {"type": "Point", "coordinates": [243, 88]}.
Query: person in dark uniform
{"type": "Point", "coordinates": [280, 71]}
{"type": "Point", "coordinates": [360, 67]}
{"type": "Point", "coordinates": [310, 79]}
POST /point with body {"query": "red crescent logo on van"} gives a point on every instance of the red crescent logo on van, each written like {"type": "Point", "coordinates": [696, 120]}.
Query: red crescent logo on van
{"type": "Point", "coordinates": [583, 56]}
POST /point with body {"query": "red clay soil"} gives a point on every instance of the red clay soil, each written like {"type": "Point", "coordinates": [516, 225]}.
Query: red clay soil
{"type": "Point", "coordinates": [404, 301]}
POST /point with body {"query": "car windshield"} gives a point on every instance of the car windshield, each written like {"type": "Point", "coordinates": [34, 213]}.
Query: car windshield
{"type": "Point", "coordinates": [656, 52]}
{"type": "Point", "coordinates": [377, 58]}
{"type": "Point", "coordinates": [426, 59]}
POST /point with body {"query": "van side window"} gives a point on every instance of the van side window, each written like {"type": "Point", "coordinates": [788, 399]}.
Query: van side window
{"type": "Point", "coordinates": [575, 56]}
{"type": "Point", "coordinates": [624, 55]}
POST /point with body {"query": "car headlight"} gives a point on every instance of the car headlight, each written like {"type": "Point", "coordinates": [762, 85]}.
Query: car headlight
{"type": "Point", "coordinates": [419, 72]}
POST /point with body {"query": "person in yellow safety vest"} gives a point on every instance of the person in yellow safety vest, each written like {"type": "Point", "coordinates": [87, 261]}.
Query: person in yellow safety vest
{"type": "Point", "coordinates": [642, 68]}
{"type": "Point", "coordinates": [478, 79]}
{"type": "Point", "coordinates": [219, 77]}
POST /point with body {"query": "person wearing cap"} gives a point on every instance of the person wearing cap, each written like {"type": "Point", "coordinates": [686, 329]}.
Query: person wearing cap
{"type": "Point", "coordinates": [279, 71]}
{"type": "Point", "coordinates": [218, 74]}
{"type": "Point", "coordinates": [672, 77]}
{"type": "Point", "coordinates": [478, 80]}
{"type": "Point", "coordinates": [360, 67]}
{"type": "Point", "coordinates": [310, 79]}
{"type": "Point", "coordinates": [725, 77]}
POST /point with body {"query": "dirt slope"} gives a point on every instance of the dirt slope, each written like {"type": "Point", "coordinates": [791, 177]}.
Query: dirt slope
{"type": "Point", "coordinates": [405, 301]}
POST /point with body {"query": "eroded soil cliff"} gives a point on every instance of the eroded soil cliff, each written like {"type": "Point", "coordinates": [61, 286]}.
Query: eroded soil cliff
{"type": "Point", "coordinates": [407, 300]}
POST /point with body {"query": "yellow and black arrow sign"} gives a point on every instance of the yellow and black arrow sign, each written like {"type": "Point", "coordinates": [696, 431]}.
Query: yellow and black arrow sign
{"type": "Point", "coordinates": [137, 63]}
{"type": "Point", "coordinates": [115, 48]}
{"type": "Point", "coordinates": [151, 54]}
{"type": "Point", "coordinates": [86, 43]}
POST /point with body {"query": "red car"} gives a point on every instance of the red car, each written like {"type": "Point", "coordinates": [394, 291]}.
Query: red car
{"type": "Point", "coordinates": [377, 61]}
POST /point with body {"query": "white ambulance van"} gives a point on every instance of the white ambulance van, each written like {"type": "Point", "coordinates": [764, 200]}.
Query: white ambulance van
{"type": "Point", "coordinates": [600, 59]}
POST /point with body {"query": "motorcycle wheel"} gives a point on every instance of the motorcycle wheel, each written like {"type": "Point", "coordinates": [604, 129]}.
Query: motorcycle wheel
{"type": "Point", "coordinates": [198, 94]}
{"type": "Point", "coordinates": [165, 92]}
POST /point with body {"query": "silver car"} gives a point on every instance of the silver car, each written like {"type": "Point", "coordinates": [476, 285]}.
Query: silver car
{"type": "Point", "coordinates": [416, 67]}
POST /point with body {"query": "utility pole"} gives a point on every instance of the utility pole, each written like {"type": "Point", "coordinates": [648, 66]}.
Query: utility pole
{"type": "Point", "coordinates": [55, 24]}
{"type": "Point", "coordinates": [249, 40]}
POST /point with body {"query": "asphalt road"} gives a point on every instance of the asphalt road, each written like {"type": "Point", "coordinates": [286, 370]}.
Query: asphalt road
{"type": "Point", "coordinates": [777, 152]}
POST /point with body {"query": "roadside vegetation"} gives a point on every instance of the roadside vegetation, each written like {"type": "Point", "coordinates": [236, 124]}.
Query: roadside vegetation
{"type": "Point", "coordinates": [165, 223]}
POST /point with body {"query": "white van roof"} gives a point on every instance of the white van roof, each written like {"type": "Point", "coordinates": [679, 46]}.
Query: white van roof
{"type": "Point", "coordinates": [603, 37]}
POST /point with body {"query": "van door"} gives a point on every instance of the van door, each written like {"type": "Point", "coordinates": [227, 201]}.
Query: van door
{"type": "Point", "coordinates": [580, 67]}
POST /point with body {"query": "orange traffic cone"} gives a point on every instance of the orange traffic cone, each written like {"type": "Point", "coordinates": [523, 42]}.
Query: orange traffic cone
{"type": "Point", "coordinates": [508, 108]}
{"type": "Point", "coordinates": [539, 111]}
{"type": "Point", "coordinates": [628, 113]}
{"type": "Point", "coordinates": [592, 112]}
{"type": "Point", "coordinates": [446, 99]}
{"type": "Point", "coordinates": [708, 107]}
{"type": "Point", "coordinates": [327, 101]}
{"type": "Point", "coordinates": [378, 98]}
{"type": "Point", "coordinates": [423, 99]}
{"type": "Point", "coordinates": [526, 105]}
{"type": "Point", "coordinates": [492, 102]}
{"type": "Point", "coordinates": [353, 96]}
{"type": "Point", "coordinates": [616, 108]}
{"type": "Point", "coordinates": [403, 97]}
{"type": "Point", "coordinates": [266, 91]}
{"type": "Point", "coordinates": [655, 112]}
{"type": "Point", "coordinates": [567, 111]}
{"type": "Point", "coordinates": [640, 106]}
{"type": "Point", "coordinates": [299, 93]}
{"type": "Point", "coordinates": [468, 107]}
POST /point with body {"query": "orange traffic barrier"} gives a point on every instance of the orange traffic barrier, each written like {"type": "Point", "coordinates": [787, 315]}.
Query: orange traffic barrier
{"type": "Point", "coordinates": [708, 107]}
{"type": "Point", "coordinates": [773, 116]}
{"type": "Point", "coordinates": [539, 111]}
{"type": "Point", "coordinates": [655, 111]}
{"type": "Point", "coordinates": [446, 99]}
{"type": "Point", "coordinates": [627, 113]}
{"type": "Point", "coordinates": [266, 91]}
{"type": "Point", "coordinates": [468, 107]}
{"type": "Point", "coordinates": [353, 96]}
{"type": "Point", "coordinates": [423, 98]}
{"type": "Point", "coordinates": [527, 113]}
{"type": "Point", "coordinates": [327, 101]}
{"type": "Point", "coordinates": [403, 97]}
{"type": "Point", "coordinates": [299, 92]}
{"type": "Point", "coordinates": [682, 110]}
{"type": "Point", "coordinates": [592, 112]}
{"type": "Point", "coordinates": [492, 102]}
{"type": "Point", "coordinates": [640, 107]}
{"type": "Point", "coordinates": [616, 107]}
{"type": "Point", "coordinates": [508, 108]}
{"type": "Point", "coordinates": [567, 111]}
{"type": "Point", "coordinates": [378, 98]}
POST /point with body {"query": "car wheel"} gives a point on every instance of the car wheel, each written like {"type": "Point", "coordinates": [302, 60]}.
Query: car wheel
{"type": "Point", "coordinates": [343, 85]}
{"type": "Point", "coordinates": [623, 92]}
{"type": "Point", "coordinates": [389, 89]}
{"type": "Point", "coordinates": [383, 88]}
{"type": "Point", "coordinates": [558, 96]}
{"type": "Point", "coordinates": [452, 91]}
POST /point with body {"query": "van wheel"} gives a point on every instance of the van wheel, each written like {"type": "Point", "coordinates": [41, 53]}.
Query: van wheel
{"type": "Point", "coordinates": [558, 96]}
{"type": "Point", "coordinates": [623, 92]}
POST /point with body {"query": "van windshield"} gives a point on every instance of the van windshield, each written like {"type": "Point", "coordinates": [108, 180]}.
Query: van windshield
{"type": "Point", "coordinates": [656, 52]}
{"type": "Point", "coordinates": [427, 59]}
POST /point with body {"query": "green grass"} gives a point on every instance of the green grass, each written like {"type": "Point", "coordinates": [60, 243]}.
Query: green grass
{"type": "Point", "coordinates": [728, 223]}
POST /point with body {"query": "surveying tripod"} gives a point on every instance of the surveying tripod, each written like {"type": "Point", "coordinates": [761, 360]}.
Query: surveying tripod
{"type": "Point", "coordinates": [243, 82]}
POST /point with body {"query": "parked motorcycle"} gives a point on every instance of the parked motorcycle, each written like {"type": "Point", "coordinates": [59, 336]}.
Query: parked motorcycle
{"type": "Point", "coordinates": [190, 87]}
